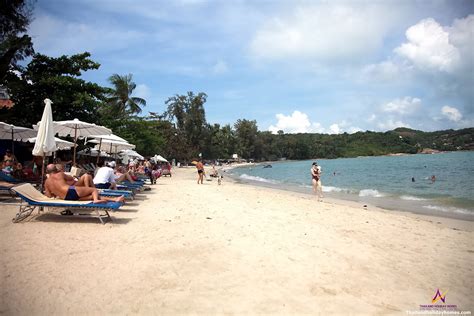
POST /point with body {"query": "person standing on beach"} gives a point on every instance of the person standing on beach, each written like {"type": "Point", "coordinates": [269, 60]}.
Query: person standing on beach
{"type": "Point", "coordinates": [316, 180]}
{"type": "Point", "coordinates": [200, 170]}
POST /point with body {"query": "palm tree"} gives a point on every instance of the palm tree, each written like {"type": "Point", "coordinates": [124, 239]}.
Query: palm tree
{"type": "Point", "coordinates": [120, 97]}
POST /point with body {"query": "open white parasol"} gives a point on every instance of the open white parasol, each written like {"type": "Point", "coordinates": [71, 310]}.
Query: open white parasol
{"type": "Point", "coordinates": [132, 154]}
{"type": "Point", "coordinates": [61, 144]}
{"type": "Point", "coordinates": [15, 133]}
{"type": "Point", "coordinates": [112, 147]}
{"type": "Point", "coordinates": [104, 138]}
{"type": "Point", "coordinates": [78, 129]}
{"type": "Point", "coordinates": [159, 158]}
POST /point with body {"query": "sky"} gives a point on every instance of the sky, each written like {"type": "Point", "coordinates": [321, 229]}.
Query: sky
{"type": "Point", "coordinates": [292, 65]}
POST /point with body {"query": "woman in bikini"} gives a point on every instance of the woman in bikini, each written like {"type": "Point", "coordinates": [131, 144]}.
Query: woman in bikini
{"type": "Point", "coordinates": [316, 180]}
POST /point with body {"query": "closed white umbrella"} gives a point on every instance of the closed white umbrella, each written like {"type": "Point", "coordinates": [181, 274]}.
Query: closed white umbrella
{"type": "Point", "coordinates": [45, 144]}
{"type": "Point", "coordinates": [18, 133]}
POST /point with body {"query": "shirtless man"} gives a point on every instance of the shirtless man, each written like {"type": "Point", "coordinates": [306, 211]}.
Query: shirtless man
{"type": "Point", "coordinates": [56, 186]}
{"type": "Point", "coordinates": [200, 170]}
{"type": "Point", "coordinates": [85, 180]}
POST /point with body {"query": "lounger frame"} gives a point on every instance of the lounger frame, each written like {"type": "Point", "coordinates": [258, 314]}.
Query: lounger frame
{"type": "Point", "coordinates": [27, 205]}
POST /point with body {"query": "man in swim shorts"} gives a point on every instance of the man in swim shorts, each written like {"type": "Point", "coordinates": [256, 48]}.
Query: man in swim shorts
{"type": "Point", "coordinates": [200, 170]}
{"type": "Point", "coordinates": [56, 186]}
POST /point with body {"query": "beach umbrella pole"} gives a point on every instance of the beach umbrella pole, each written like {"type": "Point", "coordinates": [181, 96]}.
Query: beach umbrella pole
{"type": "Point", "coordinates": [98, 154]}
{"type": "Point", "coordinates": [75, 145]}
{"type": "Point", "coordinates": [42, 176]}
{"type": "Point", "coordinates": [13, 144]}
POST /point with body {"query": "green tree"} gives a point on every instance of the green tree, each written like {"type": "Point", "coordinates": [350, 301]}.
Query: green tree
{"type": "Point", "coordinates": [246, 137]}
{"type": "Point", "coordinates": [188, 114]}
{"type": "Point", "coordinates": [56, 79]}
{"type": "Point", "coordinates": [120, 98]}
{"type": "Point", "coordinates": [149, 136]}
{"type": "Point", "coordinates": [15, 16]}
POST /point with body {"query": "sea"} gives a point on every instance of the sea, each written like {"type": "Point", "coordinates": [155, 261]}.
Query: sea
{"type": "Point", "coordinates": [400, 183]}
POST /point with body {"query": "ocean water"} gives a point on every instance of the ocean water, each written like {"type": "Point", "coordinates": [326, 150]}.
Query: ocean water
{"type": "Point", "coordinates": [384, 181]}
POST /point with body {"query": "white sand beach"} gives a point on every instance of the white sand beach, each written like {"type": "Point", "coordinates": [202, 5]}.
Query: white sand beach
{"type": "Point", "coordinates": [206, 249]}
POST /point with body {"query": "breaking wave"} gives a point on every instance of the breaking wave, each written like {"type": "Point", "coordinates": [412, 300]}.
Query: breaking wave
{"type": "Point", "coordinates": [411, 198]}
{"type": "Point", "coordinates": [370, 192]}
{"type": "Point", "coordinates": [449, 209]}
{"type": "Point", "coordinates": [255, 178]}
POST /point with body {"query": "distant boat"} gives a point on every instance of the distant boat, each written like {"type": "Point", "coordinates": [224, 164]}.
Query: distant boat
{"type": "Point", "coordinates": [267, 166]}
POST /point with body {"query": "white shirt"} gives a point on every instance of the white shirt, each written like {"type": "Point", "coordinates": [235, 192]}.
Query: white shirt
{"type": "Point", "coordinates": [104, 175]}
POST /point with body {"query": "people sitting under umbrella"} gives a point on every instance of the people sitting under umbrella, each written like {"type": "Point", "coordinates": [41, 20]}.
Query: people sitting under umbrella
{"type": "Point", "coordinates": [121, 174]}
{"type": "Point", "coordinates": [107, 178]}
{"type": "Point", "coordinates": [57, 186]}
{"type": "Point", "coordinates": [9, 157]}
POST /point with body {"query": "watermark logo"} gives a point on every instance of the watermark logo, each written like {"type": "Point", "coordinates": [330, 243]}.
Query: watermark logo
{"type": "Point", "coordinates": [439, 296]}
{"type": "Point", "coordinates": [435, 305]}
{"type": "Point", "coordinates": [438, 306]}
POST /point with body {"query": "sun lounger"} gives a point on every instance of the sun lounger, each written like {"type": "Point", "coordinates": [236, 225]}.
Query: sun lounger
{"type": "Point", "coordinates": [5, 188]}
{"type": "Point", "coordinates": [34, 199]}
{"type": "Point", "coordinates": [8, 178]}
{"type": "Point", "coordinates": [116, 193]}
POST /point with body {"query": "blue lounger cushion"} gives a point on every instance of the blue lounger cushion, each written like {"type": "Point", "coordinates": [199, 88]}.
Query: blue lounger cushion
{"type": "Point", "coordinates": [33, 197]}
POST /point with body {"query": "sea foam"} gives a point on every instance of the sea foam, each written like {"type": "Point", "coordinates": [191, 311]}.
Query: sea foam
{"type": "Point", "coordinates": [449, 209]}
{"type": "Point", "coordinates": [255, 178]}
{"type": "Point", "coordinates": [370, 192]}
{"type": "Point", "coordinates": [336, 189]}
{"type": "Point", "coordinates": [411, 198]}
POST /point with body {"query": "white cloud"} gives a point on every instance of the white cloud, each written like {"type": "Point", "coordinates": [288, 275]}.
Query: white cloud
{"type": "Point", "coordinates": [220, 68]}
{"type": "Point", "coordinates": [403, 106]}
{"type": "Point", "coordinates": [317, 128]}
{"type": "Point", "coordinates": [460, 34]}
{"type": "Point", "coordinates": [55, 36]}
{"type": "Point", "coordinates": [142, 91]}
{"type": "Point", "coordinates": [385, 71]}
{"type": "Point", "coordinates": [392, 124]}
{"type": "Point", "coordinates": [335, 129]}
{"type": "Point", "coordinates": [354, 129]}
{"type": "Point", "coordinates": [323, 32]}
{"type": "Point", "coordinates": [343, 127]}
{"type": "Point", "coordinates": [297, 122]}
{"type": "Point", "coordinates": [429, 47]}
{"type": "Point", "coordinates": [451, 113]}
{"type": "Point", "coordinates": [372, 118]}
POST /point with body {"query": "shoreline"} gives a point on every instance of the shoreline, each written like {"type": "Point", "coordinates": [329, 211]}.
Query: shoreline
{"type": "Point", "coordinates": [454, 223]}
{"type": "Point", "coordinates": [386, 201]}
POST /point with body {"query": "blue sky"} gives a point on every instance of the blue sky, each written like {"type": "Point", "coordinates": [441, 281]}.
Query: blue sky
{"type": "Point", "coordinates": [299, 66]}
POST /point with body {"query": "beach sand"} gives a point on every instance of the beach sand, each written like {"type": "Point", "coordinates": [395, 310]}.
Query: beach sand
{"type": "Point", "coordinates": [185, 248]}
